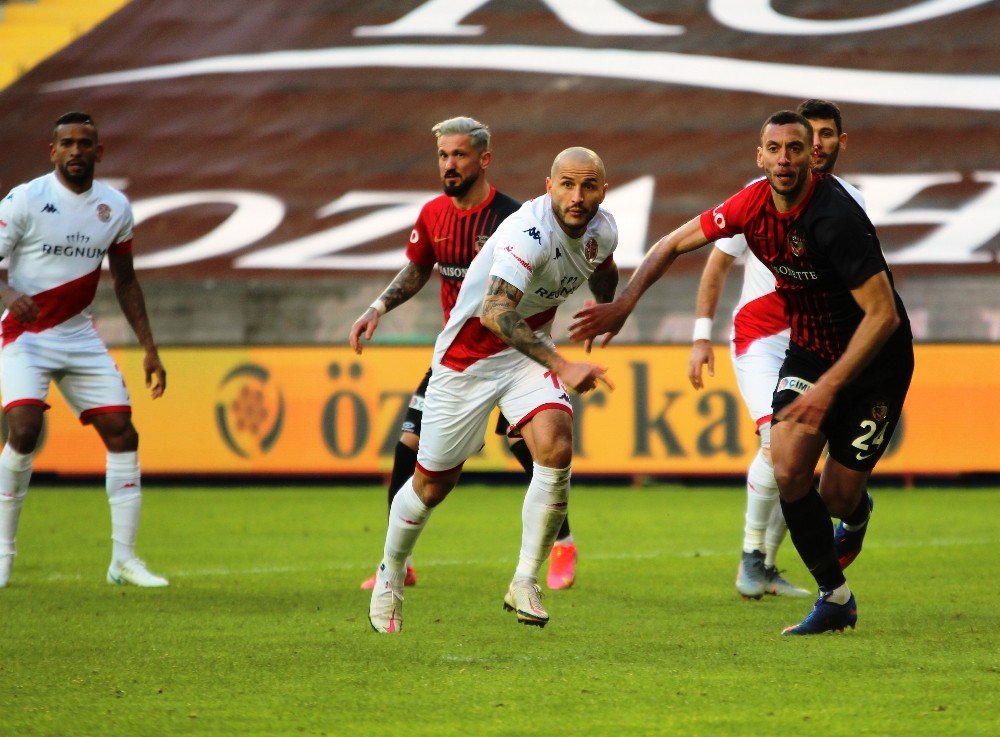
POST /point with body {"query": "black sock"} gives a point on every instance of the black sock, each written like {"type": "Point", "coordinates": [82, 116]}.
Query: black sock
{"type": "Point", "coordinates": [809, 527]}
{"type": "Point", "coordinates": [403, 467]}
{"type": "Point", "coordinates": [519, 449]}
{"type": "Point", "coordinates": [860, 514]}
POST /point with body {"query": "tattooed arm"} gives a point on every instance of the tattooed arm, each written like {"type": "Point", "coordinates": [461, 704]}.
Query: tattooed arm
{"type": "Point", "coordinates": [410, 280]}
{"type": "Point", "coordinates": [500, 316]}
{"type": "Point", "coordinates": [133, 306]}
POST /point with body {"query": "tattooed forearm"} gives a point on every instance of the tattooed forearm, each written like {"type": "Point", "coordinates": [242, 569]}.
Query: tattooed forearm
{"type": "Point", "coordinates": [410, 280]}
{"type": "Point", "coordinates": [603, 283]}
{"type": "Point", "coordinates": [131, 300]}
{"type": "Point", "coordinates": [501, 317]}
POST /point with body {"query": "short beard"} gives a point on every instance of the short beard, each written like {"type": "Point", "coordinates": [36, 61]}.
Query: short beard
{"type": "Point", "coordinates": [460, 189]}
{"type": "Point", "coordinates": [82, 178]}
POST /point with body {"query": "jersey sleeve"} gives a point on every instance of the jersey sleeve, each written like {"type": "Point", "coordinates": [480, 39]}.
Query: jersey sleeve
{"type": "Point", "coordinates": [123, 241]}
{"type": "Point", "coordinates": [12, 220]}
{"type": "Point", "coordinates": [728, 218]}
{"type": "Point", "coordinates": [735, 246]}
{"type": "Point", "coordinates": [420, 250]}
{"type": "Point", "coordinates": [852, 248]}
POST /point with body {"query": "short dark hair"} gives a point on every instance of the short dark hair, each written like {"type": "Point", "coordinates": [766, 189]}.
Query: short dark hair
{"type": "Point", "coordinates": [821, 110]}
{"type": "Point", "coordinates": [74, 118]}
{"type": "Point", "coordinates": [786, 117]}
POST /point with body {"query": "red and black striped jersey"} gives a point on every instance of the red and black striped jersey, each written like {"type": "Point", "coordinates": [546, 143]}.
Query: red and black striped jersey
{"type": "Point", "coordinates": [818, 252]}
{"type": "Point", "coordinates": [451, 238]}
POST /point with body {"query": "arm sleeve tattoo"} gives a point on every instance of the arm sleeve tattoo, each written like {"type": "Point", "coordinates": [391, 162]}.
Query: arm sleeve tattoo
{"type": "Point", "coordinates": [502, 318]}
{"type": "Point", "coordinates": [410, 280]}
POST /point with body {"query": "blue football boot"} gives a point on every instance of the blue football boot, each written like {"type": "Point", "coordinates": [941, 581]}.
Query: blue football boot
{"type": "Point", "coordinates": [826, 617]}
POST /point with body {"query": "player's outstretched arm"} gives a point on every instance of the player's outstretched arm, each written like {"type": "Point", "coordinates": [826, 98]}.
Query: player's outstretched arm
{"type": "Point", "coordinates": [608, 319]}
{"type": "Point", "coordinates": [410, 280]}
{"type": "Point", "coordinates": [713, 279]}
{"type": "Point", "coordinates": [133, 306]}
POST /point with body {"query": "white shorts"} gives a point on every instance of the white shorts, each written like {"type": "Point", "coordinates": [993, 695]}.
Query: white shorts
{"type": "Point", "coordinates": [757, 374]}
{"type": "Point", "coordinates": [82, 368]}
{"type": "Point", "coordinates": [457, 408]}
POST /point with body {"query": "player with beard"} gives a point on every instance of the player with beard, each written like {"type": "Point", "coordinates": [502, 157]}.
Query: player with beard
{"type": "Point", "coordinates": [758, 344]}
{"type": "Point", "coordinates": [496, 351]}
{"type": "Point", "coordinates": [850, 355]}
{"type": "Point", "coordinates": [56, 230]}
{"type": "Point", "coordinates": [449, 232]}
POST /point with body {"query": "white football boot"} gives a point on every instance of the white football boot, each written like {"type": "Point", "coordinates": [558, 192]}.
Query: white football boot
{"type": "Point", "coordinates": [526, 599]}
{"type": "Point", "coordinates": [134, 572]}
{"type": "Point", "coordinates": [386, 609]}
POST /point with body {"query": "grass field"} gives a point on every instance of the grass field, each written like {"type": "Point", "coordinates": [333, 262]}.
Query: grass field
{"type": "Point", "coordinates": [264, 630]}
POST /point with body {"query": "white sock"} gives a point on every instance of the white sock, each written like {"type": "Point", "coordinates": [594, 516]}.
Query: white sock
{"type": "Point", "coordinates": [124, 486]}
{"type": "Point", "coordinates": [839, 595]}
{"type": "Point", "coordinates": [775, 535]}
{"type": "Point", "coordinates": [762, 498]}
{"type": "Point", "coordinates": [15, 473]}
{"type": "Point", "coordinates": [407, 517]}
{"type": "Point", "coordinates": [542, 515]}
{"type": "Point", "coordinates": [568, 540]}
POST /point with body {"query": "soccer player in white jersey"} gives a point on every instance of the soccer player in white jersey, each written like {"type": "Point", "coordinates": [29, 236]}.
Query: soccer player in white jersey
{"type": "Point", "coordinates": [54, 234]}
{"type": "Point", "coordinates": [495, 350]}
{"type": "Point", "coordinates": [758, 342]}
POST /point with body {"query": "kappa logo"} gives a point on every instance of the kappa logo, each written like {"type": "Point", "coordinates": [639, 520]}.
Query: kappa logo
{"type": "Point", "coordinates": [533, 232]}
{"type": "Point", "coordinates": [49, 207]}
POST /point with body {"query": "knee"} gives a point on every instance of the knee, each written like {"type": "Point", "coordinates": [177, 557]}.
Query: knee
{"type": "Point", "coordinates": [556, 452]}
{"type": "Point", "coordinates": [123, 438]}
{"type": "Point", "coordinates": [432, 491]}
{"type": "Point", "coordinates": [793, 480]}
{"type": "Point", "coordinates": [23, 436]}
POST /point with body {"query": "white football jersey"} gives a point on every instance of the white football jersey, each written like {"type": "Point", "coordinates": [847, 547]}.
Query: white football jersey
{"type": "Point", "coordinates": [760, 312]}
{"type": "Point", "coordinates": [530, 251]}
{"type": "Point", "coordinates": [53, 242]}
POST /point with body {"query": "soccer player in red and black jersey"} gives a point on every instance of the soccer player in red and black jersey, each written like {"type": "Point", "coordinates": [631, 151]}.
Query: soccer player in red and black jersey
{"type": "Point", "coordinates": [449, 232]}
{"type": "Point", "coordinates": [850, 358]}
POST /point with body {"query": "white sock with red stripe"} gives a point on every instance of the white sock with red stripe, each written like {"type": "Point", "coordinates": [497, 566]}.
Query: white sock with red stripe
{"type": "Point", "coordinates": [15, 473]}
{"type": "Point", "coordinates": [775, 535]}
{"type": "Point", "coordinates": [762, 498]}
{"type": "Point", "coordinates": [407, 517]}
{"type": "Point", "coordinates": [124, 486]}
{"type": "Point", "coordinates": [542, 515]}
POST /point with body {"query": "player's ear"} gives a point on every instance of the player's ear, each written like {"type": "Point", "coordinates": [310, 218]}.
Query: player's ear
{"type": "Point", "coordinates": [485, 158]}
{"type": "Point", "coordinates": [99, 152]}
{"type": "Point", "coordinates": [760, 157]}
{"type": "Point", "coordinates": [843, 141]}
{"type": "Point", "coordinates": [548, 185]}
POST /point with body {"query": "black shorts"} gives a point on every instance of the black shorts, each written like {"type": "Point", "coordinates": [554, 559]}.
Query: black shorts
{"type": "Point", "coordinates": [415, 413]}
{"type": "Point", "coordinates": [864, 413]}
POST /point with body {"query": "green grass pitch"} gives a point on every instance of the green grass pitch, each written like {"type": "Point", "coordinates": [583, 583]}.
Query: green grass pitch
{"type": "Point", "coordinates": [264, 631]}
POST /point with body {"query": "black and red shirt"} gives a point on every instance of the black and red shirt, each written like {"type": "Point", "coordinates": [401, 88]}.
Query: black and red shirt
{"type": "Point", "coordinates": [450, 238]}
{"type": "Point", "coordinates": [818, 252]}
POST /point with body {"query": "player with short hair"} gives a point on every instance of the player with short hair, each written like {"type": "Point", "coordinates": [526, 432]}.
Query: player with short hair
{"type": "Point", "coordinates": [850, 357]}
{"type": "Point", "coordinates": [759, 340]}
{"type": "Point", "coordinates": [449, 232]}
{"type": "Point", "coordinates": [495, 350]}
{"type": "Point", "coordinates": [55, 232]}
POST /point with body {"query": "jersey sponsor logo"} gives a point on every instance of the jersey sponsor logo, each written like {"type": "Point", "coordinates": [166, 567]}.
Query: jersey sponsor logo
{"type": "Point", "coordinates": [567, 285]}
{"type": "Point", "coordinates": [103, 213]}
{"type": "Point", "coordinates": [795, 274]}
{"type": "Point", "coordinates": [793, 383]}
{"type": "Point", "coordinates": [525, 264]}
{"type": "Point", "coordinates": [797, 243]}
{"type": "Point", "coordinates": [49, 207]}
{"type": "Point", "coordinates": [74, 251]}
{"type": "Point", "coordinates": [78, 238]}
{"type": "Point", "coordinates": [590, 249]}
{"type": "Point", "coordinates": [480, 242]}
{"type": "Point", "coordinates": [533, 232]}
{"type": "Point", "coordinates": [417, 402]}
{"type": "Point", "coordinates": [452, 272]}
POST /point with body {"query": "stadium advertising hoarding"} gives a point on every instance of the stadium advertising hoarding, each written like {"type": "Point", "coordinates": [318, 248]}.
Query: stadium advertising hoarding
{"type": "Point", "coordinates": [326, 411]}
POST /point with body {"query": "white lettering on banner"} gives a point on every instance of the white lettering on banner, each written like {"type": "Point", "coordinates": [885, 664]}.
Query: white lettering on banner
{"type": "Point", "coordinates": [255, 216]}
{"type": "Point", "coordinates": [594, 17]}
{"type": "Point", "coordinates": [964, 91]}
{"type": "Point", "coordinates": [314, 251]}
{"type": "Point", "coordinates": [963, 230]}
{"type": "Point", "coordinates": [757, 16]}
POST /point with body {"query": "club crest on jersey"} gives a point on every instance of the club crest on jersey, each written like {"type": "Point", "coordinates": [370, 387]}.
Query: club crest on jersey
{"type": "Point", "coordinates": [103, 213]}
{"type": "Point", "coordinates": [590, 249]}
{"type": "Point", "coordinates": [480, 242]}
{"type": "Point", "coordinates": [797, 243]}
{"type": "Point", "coordinates": [880, 410]}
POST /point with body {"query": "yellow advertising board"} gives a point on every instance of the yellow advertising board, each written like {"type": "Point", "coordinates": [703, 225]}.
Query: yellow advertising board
{"type": "Point", "coordinates": [328, 411]}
